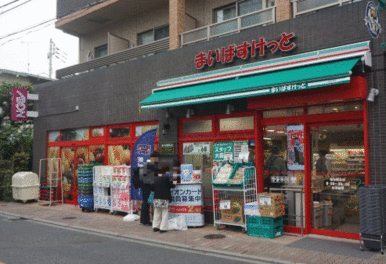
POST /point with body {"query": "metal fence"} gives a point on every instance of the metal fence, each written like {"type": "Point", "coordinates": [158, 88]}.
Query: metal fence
{"type": "Point", "coordinates": [258, 18]}
{"type": "Point", "coordinates": [307, 6]}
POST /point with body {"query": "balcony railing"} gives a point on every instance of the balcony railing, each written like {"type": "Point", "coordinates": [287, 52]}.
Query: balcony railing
{"type": "Point", "coordinates": [307, 6]}
{"type": "Point", "coordinates": [258, 18]}
{"type": "Point", "coordinates": [115, 58]}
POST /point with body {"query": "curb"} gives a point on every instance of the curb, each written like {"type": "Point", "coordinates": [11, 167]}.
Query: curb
{"type": "Point", "coordinates": [153, 241]}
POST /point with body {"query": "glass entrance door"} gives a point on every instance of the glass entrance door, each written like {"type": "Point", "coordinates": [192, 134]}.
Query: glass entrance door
{"type": "Point", "coordinates": [338, 170]}
{"type": "Point", "coordinates": [284, 169]}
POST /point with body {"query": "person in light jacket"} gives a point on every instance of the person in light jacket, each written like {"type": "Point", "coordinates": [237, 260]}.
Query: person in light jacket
{"type": "Point", "coordinates": [162, 197]}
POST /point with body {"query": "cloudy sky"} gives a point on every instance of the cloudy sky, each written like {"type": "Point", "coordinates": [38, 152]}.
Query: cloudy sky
{"type": "Point", "coordinates": [27, 51]}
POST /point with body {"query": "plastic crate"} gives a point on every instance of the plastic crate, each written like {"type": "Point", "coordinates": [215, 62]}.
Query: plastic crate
{"type": "Point", "coordinates": [86, 201]}
{"type": "Point", "coordinates": [265, 222]}
{"type": "Point", "coordinates": [264, 232]}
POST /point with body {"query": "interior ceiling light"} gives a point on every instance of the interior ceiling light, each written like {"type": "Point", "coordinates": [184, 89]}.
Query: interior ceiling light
{"type": "Point", "coordinates": [270, 130]}
{"type": "Point", "coordinates": [267, 138]}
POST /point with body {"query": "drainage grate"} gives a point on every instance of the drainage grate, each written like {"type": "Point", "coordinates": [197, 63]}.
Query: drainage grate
{"type": "Point", "coordinates": [69, 218]}
{"type": "Point", "coordinates": [214, 236]}
{"type": "Point", "coordinates": [3, 205]}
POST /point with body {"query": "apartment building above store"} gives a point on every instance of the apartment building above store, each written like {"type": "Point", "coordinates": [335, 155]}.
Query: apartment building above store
{"type": "Point", "coordinates": [116, 31]}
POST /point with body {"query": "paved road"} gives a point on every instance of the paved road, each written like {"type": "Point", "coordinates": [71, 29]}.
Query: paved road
{"type": "Point", "coordinates": [24, 241]}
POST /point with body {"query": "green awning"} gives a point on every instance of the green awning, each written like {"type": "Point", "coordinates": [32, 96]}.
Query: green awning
{"type": "Point", "coordinates": [295, 79]}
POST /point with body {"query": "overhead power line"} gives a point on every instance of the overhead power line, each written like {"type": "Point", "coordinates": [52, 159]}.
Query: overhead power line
{"type": "Point", "coordinates": [12, 8]}
{"type": "Point", "coordinates": [9, 3]}
{"type": "Point", "coordinates": [26, 29]}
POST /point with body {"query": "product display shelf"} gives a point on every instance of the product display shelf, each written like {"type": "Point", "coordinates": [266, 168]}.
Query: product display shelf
{"type": "Point", "coordinates": [120, 189]}
{"type": "Point", "coordinates": [224, 213]}
{"type": "Point", "coordinates": [102, 187]}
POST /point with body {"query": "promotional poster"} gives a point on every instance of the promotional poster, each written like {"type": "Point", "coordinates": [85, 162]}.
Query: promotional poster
{"type": "Point", "coordinates": [295, 147]}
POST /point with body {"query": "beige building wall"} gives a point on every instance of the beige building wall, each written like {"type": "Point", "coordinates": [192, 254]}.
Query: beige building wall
{"type": "Point", "coordinates": [200, 13]}
{"type": "Point", "coordinates": [127, 29]}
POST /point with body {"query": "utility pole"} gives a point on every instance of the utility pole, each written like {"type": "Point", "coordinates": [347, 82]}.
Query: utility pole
{"type": "Point", "coordinates": [50, 55]}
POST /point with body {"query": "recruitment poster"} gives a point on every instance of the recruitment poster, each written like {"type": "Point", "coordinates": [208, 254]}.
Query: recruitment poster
{"type": "Point", "coordinates": [295, 147]}
{"type": "Point", "coordinates": [230, 150]}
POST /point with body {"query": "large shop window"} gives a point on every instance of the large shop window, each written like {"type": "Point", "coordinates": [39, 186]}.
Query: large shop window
{"type": "Point", "coordinates": [237, 123]}
{"type": "Point", "coordinates": [139, 130]}
{"type": "Point", "coordinates": [75, 134]}
{"type": "Point", "coordinates": [119, 155]}
{"type": "Point", "coordinates": [338, 170]}
{"type": "Point", "coordinates": [54, 136]}
{"type": "Point", "coordinates": [200, 154]}
{"type": "Point", "coordinates": [200, 126]}
{"type": "Point", "coordinates": [119, 132]}
{"type": "Point", "coordinates": [324, 109]}
{"type": "Point", "coordinates": [284, 168]}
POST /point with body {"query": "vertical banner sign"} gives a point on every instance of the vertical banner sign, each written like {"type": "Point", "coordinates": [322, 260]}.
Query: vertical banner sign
{"type": "Point", "coordinates": [142, 149]}
{"type": "Point", "coordinates": [19, 104]}
{"type": "Point", "coordinates": [295, 147]}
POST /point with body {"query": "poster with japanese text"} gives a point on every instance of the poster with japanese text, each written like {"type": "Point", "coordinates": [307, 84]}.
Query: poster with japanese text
{"type": "Point", "coordinates": [187, 201]}
{"type": "Point", "coordinates": [200, 148]}
{"type": "Point", "coordinates": [295, 147]}
{"type": "Point", "coordinates": [229, 150]}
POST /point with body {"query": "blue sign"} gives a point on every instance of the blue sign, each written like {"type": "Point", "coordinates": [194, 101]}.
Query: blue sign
{"type": "Point", "coordinates": [142, 149]}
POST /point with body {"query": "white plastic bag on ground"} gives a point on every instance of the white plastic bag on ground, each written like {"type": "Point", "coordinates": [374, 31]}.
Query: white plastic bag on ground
{"type": "Point", "coordinates": [130, 218]}
{"type": "Point", "coordinates": [178, 223]}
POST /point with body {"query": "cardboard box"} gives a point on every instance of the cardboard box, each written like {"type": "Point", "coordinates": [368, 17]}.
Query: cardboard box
{"type": "Point", "coordinates": [272, 213]}
{"type": "Point", "coordinates": [268, 199]}
{"type": "Point", "coordinates": [237, 206]}
{"type": "Point", "coordinates": [232, 218]}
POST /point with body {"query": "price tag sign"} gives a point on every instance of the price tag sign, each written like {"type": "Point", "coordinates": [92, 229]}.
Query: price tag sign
{"type": "Point", "coordinates": [225, 204]}
{"type": "Point", "coordinates": [265, 200]}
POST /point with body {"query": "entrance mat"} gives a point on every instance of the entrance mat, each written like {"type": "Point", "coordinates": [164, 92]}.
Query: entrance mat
{"type": "Point", "coordinates": [347, 249]}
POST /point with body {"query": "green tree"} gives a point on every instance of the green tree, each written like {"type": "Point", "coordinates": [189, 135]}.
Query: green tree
{"type": "Point", "coordinates": [15, 140]}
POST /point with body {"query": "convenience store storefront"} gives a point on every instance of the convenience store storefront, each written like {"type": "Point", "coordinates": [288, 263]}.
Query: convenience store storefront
{"type": "Point", "coordinates": [309, 107]}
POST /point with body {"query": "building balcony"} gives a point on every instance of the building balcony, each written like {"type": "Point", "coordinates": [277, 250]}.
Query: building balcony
{"type": "Point", "coordinates": [115, 58]}
{"type": "Point", "coordinates": [82, 17]}
{"type": "Point", "coordinates": [234, 25]}
{"type": "Point", "coordinates": [301, 7]}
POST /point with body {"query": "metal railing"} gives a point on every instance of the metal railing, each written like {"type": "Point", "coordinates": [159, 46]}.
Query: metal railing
{"type": "Point", "coordinates": [258, 18]}
{"type": "Point", "coordinates": [115, 58]}
{"type": "Point", "coordinates": [307, 6]}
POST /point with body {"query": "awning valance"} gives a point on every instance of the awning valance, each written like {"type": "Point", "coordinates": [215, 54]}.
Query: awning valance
{"type": "Point", "coordinates": [294, 79]}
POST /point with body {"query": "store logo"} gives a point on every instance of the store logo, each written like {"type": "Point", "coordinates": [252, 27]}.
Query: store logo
{"type": "Point", "coordinates": [372, 20]}
{"type": "Point", "coordinates": [245, 51]}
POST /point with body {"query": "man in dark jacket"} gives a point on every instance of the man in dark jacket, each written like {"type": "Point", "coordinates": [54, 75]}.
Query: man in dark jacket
{"type": "Point", "coordinates": [147, 175]}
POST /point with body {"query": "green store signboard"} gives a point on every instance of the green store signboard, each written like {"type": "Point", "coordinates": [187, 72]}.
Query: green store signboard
{"type": "Point", "coordinates": [229, 150]}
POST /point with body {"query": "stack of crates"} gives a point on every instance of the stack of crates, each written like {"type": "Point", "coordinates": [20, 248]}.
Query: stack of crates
{"type": "Point", "coordinates": [264, 226]}
{"type": "Point", "coordinates": [85, 186]}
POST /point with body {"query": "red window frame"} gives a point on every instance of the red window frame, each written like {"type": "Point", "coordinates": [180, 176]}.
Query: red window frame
{"type": "Point", "coordinates": [104, 140]}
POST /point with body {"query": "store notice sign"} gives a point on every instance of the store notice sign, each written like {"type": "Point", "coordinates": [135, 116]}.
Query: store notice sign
{"type": "Point", "coordinates": [225, 204]}
{"type": "Point", "coordinates": [295, 147]}
{"type": "Point", "coordinates": [167, 149]}
{"type": "Point", "coordinates": [231, 150]}
{"type": "Point", "coordinates": [265, 200]}
{"type": "Point", "coordinates": [187, 201]}
{"type": "Point", "coordinates": [196, 148]}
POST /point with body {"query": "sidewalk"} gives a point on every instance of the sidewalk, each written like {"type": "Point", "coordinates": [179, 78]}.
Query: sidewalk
{"type": "Point", "coordinates": [285, 249]}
